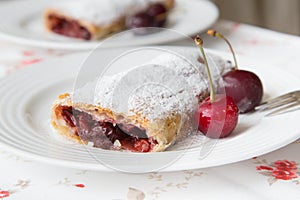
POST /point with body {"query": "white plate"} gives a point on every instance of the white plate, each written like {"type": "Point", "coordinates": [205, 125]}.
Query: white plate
{"type": "Point", "coordinates": [23, 24]}
{"type": "Point", "coordinates": [27, 95]}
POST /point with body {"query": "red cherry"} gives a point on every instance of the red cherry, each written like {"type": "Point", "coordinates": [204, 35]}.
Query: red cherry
{"type": "Point", "coordinates": [158, 12]}
{"type": "Point", "coordinates": [141, 21]}
{"type": "Point", "coordinates": [218, 114]}
{"type": "Point", "coordinates": [245, 88]}
{"type": "Point", "coordinates": [156, 9]}
{"type": "Point", "coordinates": [218, 118]}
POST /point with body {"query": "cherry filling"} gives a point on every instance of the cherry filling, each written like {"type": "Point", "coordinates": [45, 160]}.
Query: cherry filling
{"type": "Point", "coordinates": [104, 134]}
{"type": "Point", "coordinates": [69, 28]}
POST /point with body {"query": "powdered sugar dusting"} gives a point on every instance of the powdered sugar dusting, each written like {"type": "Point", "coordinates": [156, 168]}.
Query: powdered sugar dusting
{"type": "Point", "coordinates": [168, 84]}
{"type": "Point", "coordinates": [99, 12]}
{"type": "Point", "coordinates": [188, 66]}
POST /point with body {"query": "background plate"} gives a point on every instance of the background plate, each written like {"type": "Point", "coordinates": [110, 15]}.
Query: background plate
{"type": "Point", "coordinates": [26, 26]}
{"type": "Point", "coordinates": [27, 95]}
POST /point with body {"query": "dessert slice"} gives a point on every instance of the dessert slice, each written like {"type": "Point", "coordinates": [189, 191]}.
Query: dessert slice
{"type": "Point", "coordinates": [145, 109]}
{"type": "Point", "coordinates": [92, 19]}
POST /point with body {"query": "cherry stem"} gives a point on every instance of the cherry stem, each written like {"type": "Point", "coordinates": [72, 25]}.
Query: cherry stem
{"type": "Point", "coordinates": [219, 35]}
{"type": "Point", "coordinates": [199, 43]}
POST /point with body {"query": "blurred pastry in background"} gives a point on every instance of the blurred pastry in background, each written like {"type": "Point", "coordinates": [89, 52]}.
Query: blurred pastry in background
{"type": "Point", "coordinates": [93, 19]}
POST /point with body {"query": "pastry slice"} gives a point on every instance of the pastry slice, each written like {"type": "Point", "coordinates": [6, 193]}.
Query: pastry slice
{"type": "Point", "coordinates": [145, 109]}
{"type": "Point", "coordinates": [93, 19]}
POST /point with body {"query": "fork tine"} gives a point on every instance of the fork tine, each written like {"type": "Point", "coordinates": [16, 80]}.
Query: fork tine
{"type": "Point", "coordinates": [276, 99]}
{"type": "Point", "coordinates": [287, 95]}
{"type": "Point", "coordinates": [283, 109]}
{"type": "Point", "coordinates": [279, 103]}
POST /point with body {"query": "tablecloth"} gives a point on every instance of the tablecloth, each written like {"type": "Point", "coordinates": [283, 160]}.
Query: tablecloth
{"type": "Point", "coordinates": [275, 175]}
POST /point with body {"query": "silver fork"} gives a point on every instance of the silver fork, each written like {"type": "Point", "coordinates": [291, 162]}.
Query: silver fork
{"type": "Point", "coordinates": [282, 104]}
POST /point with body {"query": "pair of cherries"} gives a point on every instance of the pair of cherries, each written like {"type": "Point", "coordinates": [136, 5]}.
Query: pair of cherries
{"type": "Point", "coordinates": [218, 114]}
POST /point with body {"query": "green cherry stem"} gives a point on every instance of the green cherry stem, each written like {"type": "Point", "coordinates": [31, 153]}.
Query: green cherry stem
{"type": "Point", "coordinates": [199, 43]}
{"type": "Point", "coordinates": [219, 35]}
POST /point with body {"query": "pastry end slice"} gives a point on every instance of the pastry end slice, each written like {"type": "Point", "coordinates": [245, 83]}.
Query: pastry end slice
{"type": "Point", "coordinates": [62, 24]}
{"type": "Point", "coordinates": [102, 128]}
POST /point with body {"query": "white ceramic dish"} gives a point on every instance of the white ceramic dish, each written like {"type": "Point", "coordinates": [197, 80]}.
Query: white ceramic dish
{"type": "Point", "coordinates": [23, 24]}
{"type": "Point", "coordinates": [27, 95]}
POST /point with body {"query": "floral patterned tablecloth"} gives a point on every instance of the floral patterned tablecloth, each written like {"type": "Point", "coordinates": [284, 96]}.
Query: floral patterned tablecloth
{"type": "Point", "coordinates": [272, 176]}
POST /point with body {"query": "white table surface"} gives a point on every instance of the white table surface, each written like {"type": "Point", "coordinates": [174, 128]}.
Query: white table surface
{"type": "Point", "coordinates": [22, 178]}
